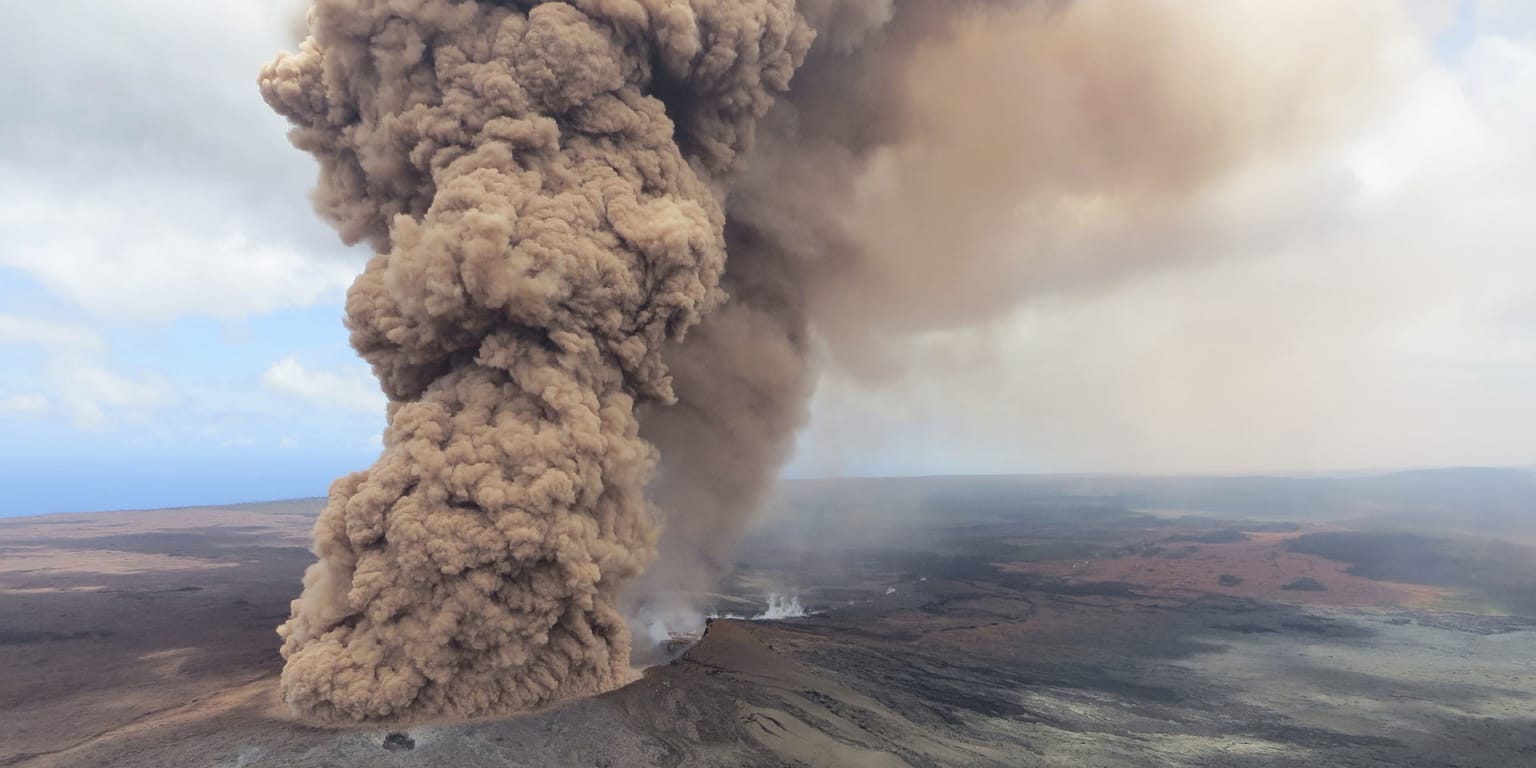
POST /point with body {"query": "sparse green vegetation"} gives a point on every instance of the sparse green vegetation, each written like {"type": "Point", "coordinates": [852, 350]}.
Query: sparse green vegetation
{"type": "Point", "coordinates": [1306, 584]}
{"type": "Point", "coordinates": [1229, 580]}
{"type": "Point", "coordinates": [1223, 536]}
{"type": "Point", "coordinates": [1056, 550]}
{"type": "Point", "coordinates": [1496, 576]}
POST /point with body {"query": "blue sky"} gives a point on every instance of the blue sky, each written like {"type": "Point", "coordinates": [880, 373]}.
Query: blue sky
{"type": "Point", "coordinates": [170, 309]}
{"type": "Point", "coordinates": [188, 410]}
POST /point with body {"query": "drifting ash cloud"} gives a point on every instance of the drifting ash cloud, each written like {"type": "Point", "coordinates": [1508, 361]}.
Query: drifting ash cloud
{"type": "Point", "coordinates": [616, 241]}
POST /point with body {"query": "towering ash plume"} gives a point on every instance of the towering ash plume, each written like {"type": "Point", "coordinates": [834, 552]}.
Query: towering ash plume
{"type": "Point", "coordinates": [541, 236]}
{"type": "Point", "coordinates": [552, 190]}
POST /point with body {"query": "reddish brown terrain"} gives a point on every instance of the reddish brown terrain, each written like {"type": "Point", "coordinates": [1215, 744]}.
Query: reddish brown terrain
{"type": "Point", "coordinates": [1263, 563]}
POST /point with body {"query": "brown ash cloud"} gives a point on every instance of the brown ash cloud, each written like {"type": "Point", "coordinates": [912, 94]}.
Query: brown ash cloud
{"type": "Point", "coordinates": [588, 398]}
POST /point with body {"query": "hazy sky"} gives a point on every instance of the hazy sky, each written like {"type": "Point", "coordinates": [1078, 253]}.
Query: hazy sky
{"type": "Point", "coordinates": [170, 308]}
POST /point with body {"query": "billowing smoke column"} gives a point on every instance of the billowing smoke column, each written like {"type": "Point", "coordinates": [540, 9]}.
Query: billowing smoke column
{"type": "Point", "coordinates": [541, 236]}
{"type": "Point", "coordinates": [552, 190]}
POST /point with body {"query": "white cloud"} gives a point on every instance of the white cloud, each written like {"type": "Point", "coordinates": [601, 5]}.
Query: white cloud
{"type": "Point", "coordinates": [18, 329]}
{"type": "Point", "coordinates": [23, 404]}
{"type": "Point", "coordinates": [171, 190]}
{"type": "Point", "coordinates": [74, 378]}
{"type": "Point", "coordinates": [97, 397]}
{"type": "Point", "coordinates": [134, 259]}
{"type": "Point", "coordinates": [323, 388]}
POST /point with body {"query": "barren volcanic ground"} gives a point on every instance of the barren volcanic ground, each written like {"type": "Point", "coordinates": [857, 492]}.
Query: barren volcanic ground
{"type": "Point", "coordinates": [1001, 627]}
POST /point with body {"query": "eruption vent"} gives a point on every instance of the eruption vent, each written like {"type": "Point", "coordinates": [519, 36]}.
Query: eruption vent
{"type": "Point", "coordinates": [551, 190]}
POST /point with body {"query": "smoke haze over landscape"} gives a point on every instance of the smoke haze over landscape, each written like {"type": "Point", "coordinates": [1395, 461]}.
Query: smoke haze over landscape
{"type": "Point", "coordinates": [166, 213]}
{"type": "Point", "coordinates": [768, 382]}
{"type": "Point", "coordinates": [558, 195]}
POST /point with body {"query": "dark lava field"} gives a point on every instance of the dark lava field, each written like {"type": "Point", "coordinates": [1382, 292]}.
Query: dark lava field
{"type": "Point", "coordinates": [949, 622]}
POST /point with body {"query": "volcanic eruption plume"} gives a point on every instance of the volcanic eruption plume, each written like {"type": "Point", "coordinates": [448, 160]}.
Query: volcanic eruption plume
{"type": "Point", "coordinates": [552, 189]}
